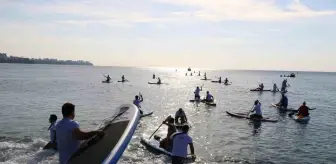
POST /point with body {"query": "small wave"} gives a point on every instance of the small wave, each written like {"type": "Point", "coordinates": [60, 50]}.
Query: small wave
{"type": "Point", "coordinates": [21, 151]}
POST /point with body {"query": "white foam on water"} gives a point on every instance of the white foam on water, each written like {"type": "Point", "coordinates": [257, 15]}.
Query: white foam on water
{"type": "Point", "coordinates": [28, 153]}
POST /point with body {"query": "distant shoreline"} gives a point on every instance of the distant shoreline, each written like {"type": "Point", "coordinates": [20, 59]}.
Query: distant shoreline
{"type": "Point", "coordinates": [22, 60]}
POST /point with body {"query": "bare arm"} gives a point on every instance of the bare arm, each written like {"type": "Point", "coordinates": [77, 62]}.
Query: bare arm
{"type": "Point", "coordinates": [80, 135]}
{"type": "Point", "coordinates": [192, 150]}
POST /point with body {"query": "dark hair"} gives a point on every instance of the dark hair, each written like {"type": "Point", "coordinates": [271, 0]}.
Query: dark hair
{"type": "Point", "coordinates": [185, 128]}
{"type": "Point", "coordinates": [53, 117]}
{"type": "Point", "coordinates": [256, 102]}
{"type": "Point", "coordinates": [67, 109]}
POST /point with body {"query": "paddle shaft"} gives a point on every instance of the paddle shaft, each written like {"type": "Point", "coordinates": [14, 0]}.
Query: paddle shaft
{"type": "Point", "coordinates": [155, 131]}
{"type": "Point", "coordinates": [249, 111]}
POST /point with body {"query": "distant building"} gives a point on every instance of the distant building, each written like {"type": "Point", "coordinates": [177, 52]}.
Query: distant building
{"type": "Point", "coordinates": [13, 59]}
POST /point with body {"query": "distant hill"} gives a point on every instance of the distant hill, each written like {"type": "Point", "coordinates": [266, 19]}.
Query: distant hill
{"type": "Point", "coordinates": [14, 59]}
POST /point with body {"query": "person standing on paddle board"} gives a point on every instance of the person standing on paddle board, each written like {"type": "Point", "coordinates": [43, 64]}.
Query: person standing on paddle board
{"type": "Point", "coordinates": [257, 110]}
{"type": "Point", "coordinates": [199, 73]}
{"type": "Point", "coordinates": [180, 114]}
{"type": "Point", "coordinates": [209, 97]}
{"type": "Point", "coordinates": [181, 140]}
{"type": "Point", "coordinates": [153, 76]}
{"type": "Point", "coordinates": [205, 76]}
{"type": "Point", "coordinates": [122, 78]}
{"type": "Point", "coordinates": [137, 102]}
{"type": "Point", "coordinates": [197, 93]}
{"type": "Point", "coordinates": [69, 135]}
{"type": "Point", "coordinates": [284, 85]}
{"type": "Point", "coordinates": [283, 101]}
{"type": "Point", "coordinates": [303, 111]}
{"type": "Point", "coordinates": [220, 80]}
{"type": "Point", "coordinates": [167, 143]}
{"type": "Point", "coordinates": [52, 131]}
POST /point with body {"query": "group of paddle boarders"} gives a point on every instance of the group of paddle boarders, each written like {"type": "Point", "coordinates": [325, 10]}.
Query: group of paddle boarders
{"type": "Point", "coordinates": [177, 138]}
{"type": "Point", "coordinates": [66, 135]}
{"type": "Point", "coordinates": [108, 79]}
{"type": "Point", "coordinates": [275, 87]}
{"type": "Point", "coordinates": [208, 96]}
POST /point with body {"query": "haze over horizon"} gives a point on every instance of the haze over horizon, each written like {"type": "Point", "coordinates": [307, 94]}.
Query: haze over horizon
{"type": "Point", "coordinates": [217, 34]}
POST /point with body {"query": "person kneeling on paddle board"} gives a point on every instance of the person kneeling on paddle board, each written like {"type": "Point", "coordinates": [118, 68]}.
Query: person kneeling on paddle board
{"type": "Point", "coordinates": [137, 102]}
{"type": "Point", "coordinates": [275, 88]}
{"type": "Point", "coordinates": [257, 109]}
{"type": "Point", "coordinates": [167, 143]}
{"type": "Point", "coordinates": [181, 140]}
{"type": "Point", "coordinates": [180, 115]}
{"type": "Point", "coordinates": [68, 134]}
{"type": "Point", "coordinates": [283, 101]}
{"type": "Point", "coordinates": [159, 80]}
{"type": "Point", "coordinates": [209, 97]}
{"type": "Point", "coordinates": [303, 111]}
{"type": "Point", "coordinates": [122, 78]}
{"type": "Point", "coordinates": [261, 87]}
{"type": "Point", "coordinates": [52, 131]}
{"type": "Point", "coordinates": [108, 78]}
{"type": "Point", "coordinates": [197, 93]}
{"type": "Point", "coordinates": [220, 80]}
{"type": "Point", "coordinates": [226, 81]}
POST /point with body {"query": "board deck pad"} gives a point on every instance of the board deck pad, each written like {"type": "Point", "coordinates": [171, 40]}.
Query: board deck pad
{"type": "Point", "coordinates": [108, 149]}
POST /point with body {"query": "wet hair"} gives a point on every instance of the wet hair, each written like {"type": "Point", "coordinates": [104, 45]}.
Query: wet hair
{"type": "Point", "coordinates": [185, 128]}
{"type": "Point", "coordinates": [304, 103]}
{"type": "Point", "coordinates": [208, 92]}
{"type": "Point", "coordinates": [180, 109]}
{"type": "Point", "coordinates": [68, 109]}
{"type": "Point", "coordinates": [256, 102]}
{"type": "Point", "coordinates": [136, 97]}
{"type": "Point", "coordinates": [53, 117]}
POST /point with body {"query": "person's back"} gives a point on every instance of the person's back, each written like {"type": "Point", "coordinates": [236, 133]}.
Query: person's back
{"type": "Point", "coordinates": [257, 109]}
{"type": "Point", "coordinates": [303, 110]}
{"type": "Point", "coordinates": [137, 102]}
{"type": "Point", "coordinates": [209, 97]}
{"type": "Point", "coordinates": [180, 114]}
{"type": "Point", "coordinates": [180, 144]}
{"type": "Point", "coordinates": [66, 143]}
{"type": "Point", "coordinates": [181, 141]}
{"type": "Point", "coordinates": [284, 101]}
{"type": "Point", "coordinates": [197, 93]}
{"type": "Point", "coordinates": [274, 87]}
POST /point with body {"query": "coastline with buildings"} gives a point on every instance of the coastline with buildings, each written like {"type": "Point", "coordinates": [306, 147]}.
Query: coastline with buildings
{"type": "Point", "coordinates": [4, 58]}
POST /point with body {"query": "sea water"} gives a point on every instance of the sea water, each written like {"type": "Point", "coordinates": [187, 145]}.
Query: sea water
{"type": "Point", "coordinates": [30, 93]}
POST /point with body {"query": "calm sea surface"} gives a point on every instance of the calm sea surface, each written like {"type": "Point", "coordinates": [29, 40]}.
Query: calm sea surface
{"type": "Point", "coordinates": [30, 93]}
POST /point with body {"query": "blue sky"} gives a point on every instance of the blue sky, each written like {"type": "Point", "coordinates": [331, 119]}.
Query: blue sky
{"type": "Point", "coordinates": [218, 34]}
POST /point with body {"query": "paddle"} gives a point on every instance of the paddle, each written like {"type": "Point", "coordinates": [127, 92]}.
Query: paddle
{"type": "Point", "coordinates": [250, 111]}
{"type": "Point", "coordinates": [155, 131]}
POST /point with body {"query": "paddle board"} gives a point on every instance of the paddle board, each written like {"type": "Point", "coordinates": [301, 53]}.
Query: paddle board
{"type": "Point", "coordinates": [243, 115]}
{"type": "Point", "coordinates": [284, 109]}
{"type": "Point", "coordinates": [123, 81]}
{"type": "Point", "coordinates": [257, 90]}
{"type": "Point", "coordinates": [153, 145]}
{"type": "Point", "coordinates": [156, 83]}
{"type": "Point", "coordinates": [301, 119]}
{"type": "Point", "coordinates": [106, 82]}
{"type": "Point", "coordinates": [118, 129]}
{"type": "Point", "coordinates": [206, 79]}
